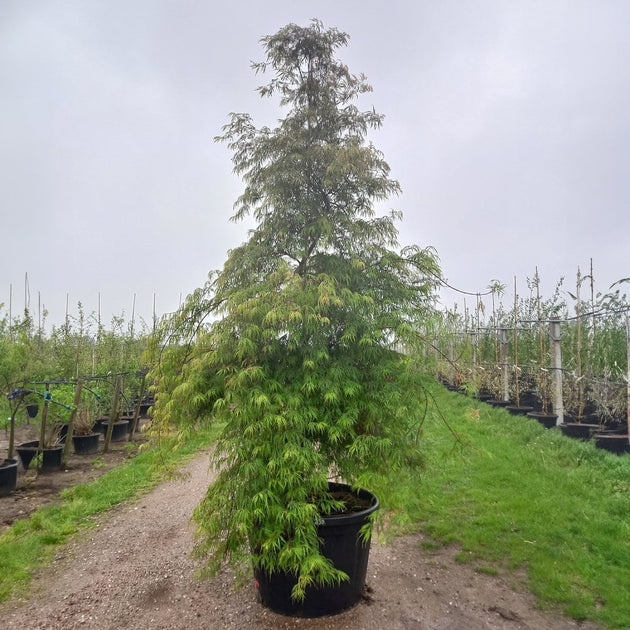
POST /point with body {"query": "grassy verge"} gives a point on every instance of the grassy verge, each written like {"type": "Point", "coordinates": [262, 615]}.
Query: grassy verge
{"type": "Point", "coordinates": [514, 494]}
{"type": "Point", "coordinates": [31, 543]}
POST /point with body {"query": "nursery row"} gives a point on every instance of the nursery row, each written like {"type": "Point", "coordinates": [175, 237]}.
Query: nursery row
{"type": "Point", "coordinates": [68, 378]}
{"type": "Point", "coordinates": [80, 426]}
{"type": "Point", "coordinates": [573, 353]}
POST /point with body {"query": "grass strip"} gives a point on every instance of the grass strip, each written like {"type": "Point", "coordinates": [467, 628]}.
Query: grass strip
{"type": "Point", "coordinates": [516, 495]}
{"type": "Point", "coordinates": [31, 543]}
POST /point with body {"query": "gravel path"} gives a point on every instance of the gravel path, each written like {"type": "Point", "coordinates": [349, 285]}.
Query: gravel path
{"type": "Point", "coordinates": [134, 571]}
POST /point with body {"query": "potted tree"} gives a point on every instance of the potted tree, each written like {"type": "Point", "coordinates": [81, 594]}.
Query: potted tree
{"type": "Point", "coordinates": [16, 356]}
{"type": "Point", "coordinates": [9, 465]}
{"type": "Point", "coordinates": [84, 438]}
{"type": "Point", "coordinates": [290, 347]}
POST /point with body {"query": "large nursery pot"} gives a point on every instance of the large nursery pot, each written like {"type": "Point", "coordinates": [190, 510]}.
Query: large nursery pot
{"type": "Point", "coordinates": [86, 444]}
{"type": "Point", "coordinates": [119, 430]}
{"type": "Point", "coordinates": [613, 442]}
{"type": "Point", "coordinates": [519, 410]}
{"type": "Point", "coordinates": [342, 545]}
{"type": "Point", "coordinates": [51, 456]}
{"type": "Point", "coordinates": [579, 430]}
{"type": "Point", "coordinates": [548, 420]}
{"type": "Point", "coordinates": [499, 403]}
{"type": "Point", "coordinates": [8, 476]}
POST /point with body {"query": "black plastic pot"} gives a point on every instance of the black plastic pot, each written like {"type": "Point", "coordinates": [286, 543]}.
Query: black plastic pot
{"type": "Point", "coordinates": [519, 410]}
{"type": "Point", "coordinates": [548, 420]}
{"type": "Point", "coordinates": [343, 546]}
{"type": "Point", "coordinates": [615, 443]}
{"type": "Point", "coordinates": [579, 431]}
{"type": "Point", "coordinates": [51, 457]}
{"type": "Point", "coordinates": [86, 444]}
{"type": "Point", "coordinates": [129, 419]}
{"type": "Point", "coordinates": [26, 451]}
{"type": "Point", "coordinates": [119, 430]}
{"type": "Point", "coordinates": [499, 403]}
{"type": "Point", "coordinates": [32, 409]}
{"type": "Point", "coordinates": [484, 397]}
{"type": "Point", "coordinates": [8, 476]}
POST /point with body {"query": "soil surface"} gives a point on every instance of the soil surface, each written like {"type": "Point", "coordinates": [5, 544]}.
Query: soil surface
{"type": "Point", "coordinates": [134, 570]}
{"type": "Point", "coordinates": [35, 490]}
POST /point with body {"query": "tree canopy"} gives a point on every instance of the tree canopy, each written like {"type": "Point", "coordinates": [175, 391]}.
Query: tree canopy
{"type": "Point", "coordinates": [292, 345]}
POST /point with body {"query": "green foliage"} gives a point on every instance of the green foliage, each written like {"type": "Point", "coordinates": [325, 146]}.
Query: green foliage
{"type": "Point", "coordinates": [29, 357]}
{"type": "Point", "coordinates": [593, 342]}
{"type": "Point", "coordinates": [291, 345]}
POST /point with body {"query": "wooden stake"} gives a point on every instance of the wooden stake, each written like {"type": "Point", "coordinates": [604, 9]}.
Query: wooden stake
{"type": "Point", "coordinates": [136, 412]}
{"type": "Point", "coordinates": [42, 426]}
{"type": "Point", "coordinates": [113, 414]}
{"type": "Point", "coordinates": [73, 413]}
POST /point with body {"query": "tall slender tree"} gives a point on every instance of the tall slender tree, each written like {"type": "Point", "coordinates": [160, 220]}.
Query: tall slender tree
{"type": "Point", "coordinates": [292, 345]}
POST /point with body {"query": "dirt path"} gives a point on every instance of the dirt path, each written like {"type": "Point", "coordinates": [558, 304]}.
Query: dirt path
{"type": "Point", "coordinates": [134, 571]}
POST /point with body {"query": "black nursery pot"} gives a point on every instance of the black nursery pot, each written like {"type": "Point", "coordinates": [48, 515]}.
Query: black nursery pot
{"type": "Point", "coordinates": [499, 403]}
{"type": "Point", "coordinates": [8, 476]}
{"type": "Point", "coordinates": [26, 451]}
{"type": "Point", "coordinates": [577, 430]}
{"type": "Point", "coordinates": [548, 420]}
{"type": "Point", "coordinates": [32, 409]}
{"type": "Point", "coordinates": [615, 443]}
{"type": "Point", "coordinates": [86, 444]}
{"type": "Point", "coordinates": [119, 430]}
{"type": "Point", "coordinates": [342, 545]}
{"type": "Point", "coordinates": [51, 457]}
{"type": "Point", "coordinates": [519, 410]}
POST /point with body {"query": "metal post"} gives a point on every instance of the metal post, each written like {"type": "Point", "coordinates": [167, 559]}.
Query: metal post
{"type": "Point", "coordinates": [556, 369]}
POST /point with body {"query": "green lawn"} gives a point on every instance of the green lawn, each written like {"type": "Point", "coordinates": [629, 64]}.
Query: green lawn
{"type": "Point", "coordinates": [514, 494]}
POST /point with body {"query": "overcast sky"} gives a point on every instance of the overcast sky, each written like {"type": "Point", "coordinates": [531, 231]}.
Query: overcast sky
{"type": "Point", "coordinates": [506, 122]}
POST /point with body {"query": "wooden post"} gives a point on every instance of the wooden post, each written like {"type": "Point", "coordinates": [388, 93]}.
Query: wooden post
{"type": "Point", "coordinates": [451, 362]}
{"type": "Point", "coordinates": [113, 414]}
{"type": "Point", "coordinates": [42, 426]}
{"type": "Point", "coordinates": [136, 412]}
{"type": "Point", "coordinates": [503, 351]}
{"type": "Point", "coordinates": [73, 413]}
{"type": "Point", "coordinates": [556, 368]}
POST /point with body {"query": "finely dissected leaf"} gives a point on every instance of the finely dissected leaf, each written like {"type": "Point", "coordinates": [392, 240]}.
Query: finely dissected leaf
{"type": "Point", "coordinates": [298, 363]}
